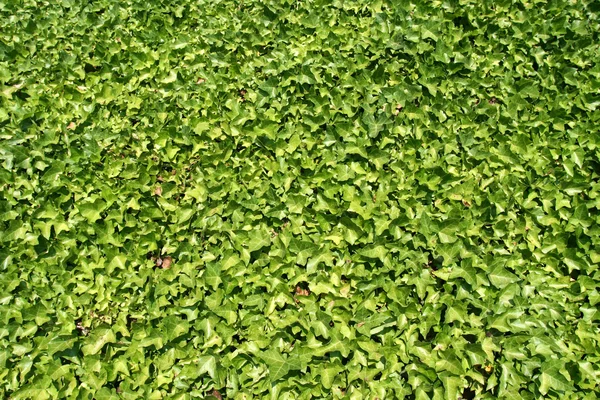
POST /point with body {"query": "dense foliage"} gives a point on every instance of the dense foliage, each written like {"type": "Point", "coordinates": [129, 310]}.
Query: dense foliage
{"type": "Point", "coordinates": [296, 199]}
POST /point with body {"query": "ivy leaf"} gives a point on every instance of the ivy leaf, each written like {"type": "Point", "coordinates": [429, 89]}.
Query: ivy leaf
{"type": "Point", "coordinates": [207, 365]}
{"type": "Point", "coordinates": [500, 277]}
{"type": "Point", "coordinates": [258, 240]}
{"type": "Point", "coordinates": [279, 366]}
{"type": "Point", "coordinates": [577, 157]}
{"type": "Point", "coordinates": [551, 378]}
{"type": "Point", "coordinates": [328, 376]}
{"type": "Point", "coordinates": [97, 339]}
{"type": "Point", "coordinates": [174, 327]}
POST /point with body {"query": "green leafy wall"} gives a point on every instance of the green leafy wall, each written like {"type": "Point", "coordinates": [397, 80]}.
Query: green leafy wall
{"type": "Point", "coordinates": [298, 199]}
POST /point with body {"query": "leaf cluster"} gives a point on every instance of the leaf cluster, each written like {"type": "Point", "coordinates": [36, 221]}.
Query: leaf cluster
{"type": "Point", "coordinates": [296, 199]}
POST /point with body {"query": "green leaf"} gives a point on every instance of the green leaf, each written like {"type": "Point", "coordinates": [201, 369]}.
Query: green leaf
{"type": "Point", "coordinates": [279, 366]}
{"type": "Point", "coordinates": [577, 157]}
{"type": "Point", "coordinates": [551, 378]}
{"type": "Point", "coordinates": [174, 327]}
{"type": "Point", "coordinates": [501, 277]}
{"type": "Point", "coordinates": [372, 251]}
{"type": "Point", "coordinates": [97, 339]}
{"type": "Point", "coordinates": [212, 276]}
{"type": "Point", "coordinates": [207, 365]}
{"type": "Point", "coordinates": [258, 240]}
{"type": "Point", "coordinates": [328, 376]}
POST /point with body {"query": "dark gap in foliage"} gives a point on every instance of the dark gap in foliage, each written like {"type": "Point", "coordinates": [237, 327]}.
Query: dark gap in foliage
{"type": "Point", "coordinates": [468, 394]}
{"type": "Point", "coordinates": [430, 336]}
{"type": "Point", "coordinates": [471, 338]}
{"type": "Point", "coordinates": [471, 309]}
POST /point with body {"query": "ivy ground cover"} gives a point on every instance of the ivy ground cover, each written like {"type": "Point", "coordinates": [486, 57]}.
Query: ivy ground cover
{"type": "Point", "coordinates": [299, 199]}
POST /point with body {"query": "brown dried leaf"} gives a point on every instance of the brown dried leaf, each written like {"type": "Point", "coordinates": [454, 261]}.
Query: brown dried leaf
{"type": "Point", "coordinates": [166, 262]}
{"type": "Point", "coordinates": [84, 330]}
{"type": "Point", "coordinates": [302, 292]}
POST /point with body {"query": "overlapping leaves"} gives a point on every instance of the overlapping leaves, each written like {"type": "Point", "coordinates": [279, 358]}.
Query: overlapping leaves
{"type": "Point", "coordinates": [299, 199]}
